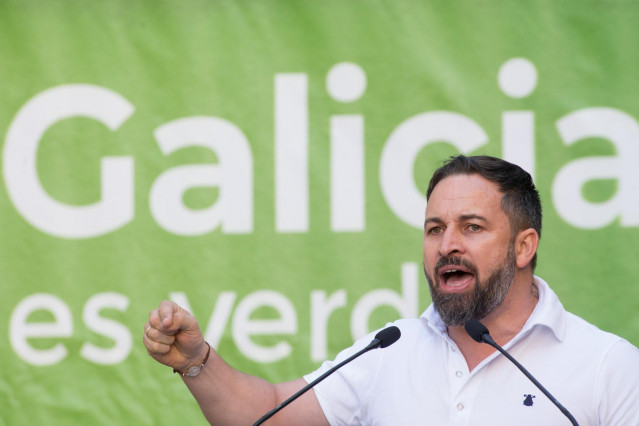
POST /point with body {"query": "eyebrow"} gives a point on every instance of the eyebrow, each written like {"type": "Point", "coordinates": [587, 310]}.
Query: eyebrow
{"type": "Point", "coordinates": [462, 218]}
{"type": "Point", "coordinates": [472, 216]}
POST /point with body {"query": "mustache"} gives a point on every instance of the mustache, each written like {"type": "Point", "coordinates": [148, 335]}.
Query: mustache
{"type": "Point", "coordinates": [455, 261]}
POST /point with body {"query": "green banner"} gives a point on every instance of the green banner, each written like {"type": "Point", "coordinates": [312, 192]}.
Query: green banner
{"type": "Point", "coordinates": [264, 164]}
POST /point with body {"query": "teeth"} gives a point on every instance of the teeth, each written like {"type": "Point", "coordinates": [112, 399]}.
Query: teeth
{"type": "Point", "coordinates": [451, 271]}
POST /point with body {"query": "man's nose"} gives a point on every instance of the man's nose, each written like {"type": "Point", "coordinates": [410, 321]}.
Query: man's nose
{"type": "Point", "coordinates": [451, 243]}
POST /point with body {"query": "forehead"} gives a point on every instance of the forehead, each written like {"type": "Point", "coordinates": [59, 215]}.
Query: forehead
{"type": "Point", "coordinates": [464, 194]}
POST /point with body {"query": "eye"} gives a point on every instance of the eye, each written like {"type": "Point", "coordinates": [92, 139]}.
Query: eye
{"type": "Point", "coordinates": [474, 228]}
{"type": "Point", "coordinates": [435, 230]}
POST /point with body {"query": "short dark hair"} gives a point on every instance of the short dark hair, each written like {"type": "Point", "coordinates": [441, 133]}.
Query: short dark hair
{"type": "Point", "coordinates": [520, 201]}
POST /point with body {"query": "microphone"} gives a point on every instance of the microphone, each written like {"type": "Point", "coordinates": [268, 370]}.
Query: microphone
{"type": "Point", "coordinates": [479, 333]}
{"type": "Point", "coordinates": [383, 339]}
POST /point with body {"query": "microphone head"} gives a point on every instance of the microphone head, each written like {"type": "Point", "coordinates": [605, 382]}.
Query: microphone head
{"type": "Point", "coordinates": [388, 336]}
{"type": "Point", "coordinates": [476, 330]}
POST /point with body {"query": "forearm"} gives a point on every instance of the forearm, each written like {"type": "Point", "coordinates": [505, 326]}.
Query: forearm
{"type": "Point", "coordinates": [226, 396]}
{"type": "Point", "coordinates": [229, 397]}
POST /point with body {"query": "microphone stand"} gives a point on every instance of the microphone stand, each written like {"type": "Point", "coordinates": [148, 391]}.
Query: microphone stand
{"type": "Point", "coordinates": [479, 333]}
{"type": "Point", "coordinates": [487, 339]}
{"type": "Point", "coordinates": [372, 345]}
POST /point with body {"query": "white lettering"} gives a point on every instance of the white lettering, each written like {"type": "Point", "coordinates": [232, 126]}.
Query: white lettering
{"type": "Point", "coordinates": [115, 208]}
{"type": "Point", "coordinates": [321, 310]}
{"type": "Point", "coordinates": [402, 147]}
{"type": "Point", "coordinates": [406, 303]}
{"type": "Point", "coordinates": [346, 82]}
{"type": "Point", "coordinates": [623, 131]}
{"type": "Point", "coordinates": [233, 175]}
{"type": "Point", "coordinates": [20, 330]}
{"type": "Point", "coordinates": [347, 173]}
{"type": "Point", "coordinates": [291, 153]}
{"type": "Point", "coordinates": [518, 140]}
{"type": "Point", "coordinates": [517, 78]}
{"type": "Point", "coordinates": [106, 327]}
{"type": "Point", "coordinates": [244, 326]}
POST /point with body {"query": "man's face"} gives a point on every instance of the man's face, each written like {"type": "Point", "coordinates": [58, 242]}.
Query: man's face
{"type": "Point", "coordinates": [469, 258]}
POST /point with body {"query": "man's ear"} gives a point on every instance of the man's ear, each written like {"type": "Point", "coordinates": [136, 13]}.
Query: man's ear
{"type": "Point", "coordinates": [526, 244]}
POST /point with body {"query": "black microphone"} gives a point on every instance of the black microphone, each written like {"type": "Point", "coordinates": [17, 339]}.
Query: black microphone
{"type": "Point", "coordinates": [479, 333]}
{"type": "Point", "coordinates": [383, 339]}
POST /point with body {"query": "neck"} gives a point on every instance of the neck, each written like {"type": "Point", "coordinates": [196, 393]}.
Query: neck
{"type": "Point", "coordinates": [504, 322]}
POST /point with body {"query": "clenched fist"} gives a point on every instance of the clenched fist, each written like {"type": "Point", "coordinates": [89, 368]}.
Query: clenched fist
{"type": "Point", "coordinates": [173, 337]}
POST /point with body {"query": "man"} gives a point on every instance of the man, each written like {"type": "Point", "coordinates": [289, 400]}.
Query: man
{"type": "Point", "coordinates": [481, 233]}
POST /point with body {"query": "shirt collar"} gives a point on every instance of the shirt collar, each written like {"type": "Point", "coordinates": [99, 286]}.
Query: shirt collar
{"type": "Point", "coordinates": [549, 313]}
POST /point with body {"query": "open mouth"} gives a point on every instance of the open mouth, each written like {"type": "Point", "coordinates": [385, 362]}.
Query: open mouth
{"type": "Point", "coordinates": [455, 277]}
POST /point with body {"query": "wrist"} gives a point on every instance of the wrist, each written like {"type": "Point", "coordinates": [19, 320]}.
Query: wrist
{"type": "Point", "coordinates": [194, 369]}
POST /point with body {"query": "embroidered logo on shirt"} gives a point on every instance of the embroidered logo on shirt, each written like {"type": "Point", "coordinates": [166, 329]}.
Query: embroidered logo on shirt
{"type": "Point", "coordinates": [528, 401]}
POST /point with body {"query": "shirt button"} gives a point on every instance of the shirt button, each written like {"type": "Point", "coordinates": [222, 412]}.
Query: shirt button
{"type": "Point", "coordinates": [460, 406]}
{"type": "Point", "coordinates": [459, 374]}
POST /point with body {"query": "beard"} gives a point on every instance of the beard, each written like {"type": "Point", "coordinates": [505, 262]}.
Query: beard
{"type": "Point", "coordinates": [457, 308]}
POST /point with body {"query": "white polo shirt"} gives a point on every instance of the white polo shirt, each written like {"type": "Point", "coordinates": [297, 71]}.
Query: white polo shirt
{"type": "Point", "coordinates": [423, 378]}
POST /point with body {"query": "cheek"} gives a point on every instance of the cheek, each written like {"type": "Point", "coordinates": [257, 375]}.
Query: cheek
{"type": "Point", "coordinates": [428, 251]}
{"type": "Point", "coordinates": [430, 257]}
{"type": "Point", "coordinates": [489, 260]}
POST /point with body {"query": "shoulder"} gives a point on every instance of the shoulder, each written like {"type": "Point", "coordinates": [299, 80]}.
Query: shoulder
{"type": "Point", "coordinates": [411, 327]}
{"type": "Point", "coordinates": [613, 370]}
{"type": "Point", "coordinates": [572, 331]}
{"type": "Point", "coordinates": [578, 329]}
{"type": "Point", "coordinates": [615, 358]}
{"type": "Point", "coordinates": [412, 331]}
{"type": "Point", "coordinates": [415, 332]}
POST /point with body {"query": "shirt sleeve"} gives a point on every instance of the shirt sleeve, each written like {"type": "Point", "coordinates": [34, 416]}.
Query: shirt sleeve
{"type": "Point", "coordinates": [342, 394]}
{"type": "Point", "coordinates": [617, 391]}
